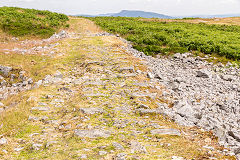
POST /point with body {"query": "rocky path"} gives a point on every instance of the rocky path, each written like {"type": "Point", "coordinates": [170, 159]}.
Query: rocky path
{"type": "Point", "coordinates": [103, 105]}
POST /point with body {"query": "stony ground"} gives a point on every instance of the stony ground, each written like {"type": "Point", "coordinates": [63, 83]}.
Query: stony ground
{"type": "Point", "coordinates": [100, 104]}
{"type": "Point", "coordinates": [204, 94]}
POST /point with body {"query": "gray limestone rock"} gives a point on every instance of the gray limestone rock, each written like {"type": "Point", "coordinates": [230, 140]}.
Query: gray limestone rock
{"type": "Point", "coordinates": [141, 84]}
{"type": "Point", "coordinates": [58, 74]}
{"type": "Point", "coordinates": [3, 141]}
{"type": "Point", "coordinates": [227, 77]}
{"type": "Point", "coordinates": [37, 146]}
{"type": "Point", "coordinates": [146, 111]}
{"type": "Point", "coordinates": [127, 69]}
{"type": "Point", "coordinates": [18, 149]}
{"type": "Point", "coordinates": [91, 110]}
{"type": "Point", "coordinates": [94, 133]}
{"type": "Point", "coordinates": [31, 118]}
{"type": "Point", "coordinates": [235, 135]}
{"type": "Point", "coordinates": [143, 106]}
{"type": "Point", "coordinates": [203, 74]}
{"type": "Point", "coordinates": [177, 55]}
{"type": "Point", "coordinates": [177, 158]}
{"type": "Point", "coordinates": [126, 75]}
{"type": "Point", "coordinates": [121, 156]}
{"type": "Point", "coordinates": [83, 156]}
{"type": "Point", "coordinates": [117, 146]}
{"type": "Point", "coordinates": [95, 95]}
{"type": "Point", "coordinates": [184, 109]}
{"type": "Point", "coordinates": [5, 70]}
{"type": "Point", "coordinates": [37, 84]}
{"type": "Point", "coordinates": [40, 108]}
{"type": "Point", "coordinates": [139, 94]}
{"type": "Point", "coordinates": [150, 75]}
{"type": "Point", "coordinates": [137, 147]}
{"type": "Point", "coordinates": [101, 153]}
{"type": "Point", "coordinates": [155, 125]}
{"type": "Point", "coordinates": [173, 132]}
{"type": "Point", "coordinates": [50, 143]}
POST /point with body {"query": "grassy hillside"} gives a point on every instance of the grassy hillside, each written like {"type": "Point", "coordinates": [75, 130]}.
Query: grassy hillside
{"type": "Point", "coordinates": [153, 37]}
{"type": "Point", "coordinates": [21, 22]}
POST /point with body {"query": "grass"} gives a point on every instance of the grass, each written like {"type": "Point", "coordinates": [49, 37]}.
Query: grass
{"type": "Point", "coordinates": [36, 66]}
{"type": "Point", "coordinates": [21, 22]}
{"type": "Point", "coordinates": [154, 37]}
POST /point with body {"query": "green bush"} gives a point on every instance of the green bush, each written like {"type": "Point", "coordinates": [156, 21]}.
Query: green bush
{"type": "Point", "coordinates": [21, 22]}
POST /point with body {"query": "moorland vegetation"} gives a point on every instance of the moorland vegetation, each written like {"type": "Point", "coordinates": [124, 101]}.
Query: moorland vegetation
{"type": "Point", "coordinates": [20, 22]}
{"type": "Point", "coordinates": [153, 37]}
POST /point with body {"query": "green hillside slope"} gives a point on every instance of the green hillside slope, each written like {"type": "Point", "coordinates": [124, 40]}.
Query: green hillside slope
{"type": "Point", "coordinates": [20, 22]}
{"type": "Point", "coordinates": [168, 37]}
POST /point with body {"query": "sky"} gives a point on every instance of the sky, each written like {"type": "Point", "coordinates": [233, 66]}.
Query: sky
{"type": "Point", "coordinates": [168, 7]}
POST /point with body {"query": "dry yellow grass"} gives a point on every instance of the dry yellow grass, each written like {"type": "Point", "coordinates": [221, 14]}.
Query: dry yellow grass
{"type": "Point", "coordinates": [221, 21]}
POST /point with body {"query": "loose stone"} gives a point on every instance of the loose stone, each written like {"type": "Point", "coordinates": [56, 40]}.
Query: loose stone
{"type": "Point", "coordinates": [94, 133]}
{"type": "Point", "coordinates": [3, 141]}
{"type": "Point", "coordinates": [91, 110]}
{"type": "Point", "coordinates": [41, 108]}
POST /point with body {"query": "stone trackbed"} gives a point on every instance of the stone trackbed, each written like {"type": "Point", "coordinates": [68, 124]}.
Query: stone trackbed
{"type": "Point", "coordinates": [104, 105]}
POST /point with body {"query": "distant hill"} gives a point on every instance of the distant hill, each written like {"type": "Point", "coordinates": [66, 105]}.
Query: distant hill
{"type": "Point", "coordinates": [128, 13]}
{"type": "Point", "coordinates": [132, 13]}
